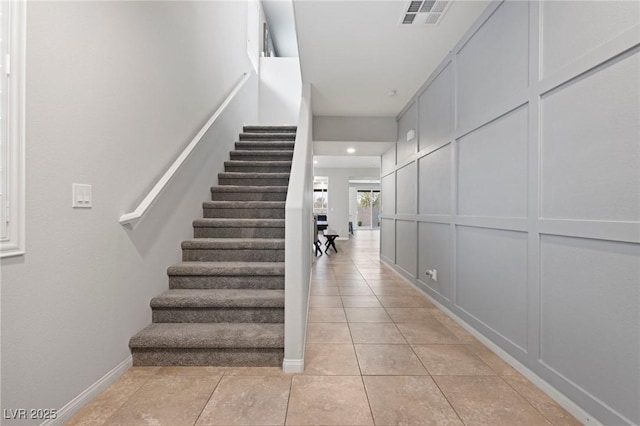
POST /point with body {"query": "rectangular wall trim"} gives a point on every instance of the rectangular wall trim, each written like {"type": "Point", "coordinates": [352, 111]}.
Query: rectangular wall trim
{"type": "Point", "coordinates": [527, 152]}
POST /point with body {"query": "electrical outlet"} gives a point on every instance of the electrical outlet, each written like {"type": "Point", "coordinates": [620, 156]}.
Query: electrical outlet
{"type": "Point", "coordinates": [432, 273]}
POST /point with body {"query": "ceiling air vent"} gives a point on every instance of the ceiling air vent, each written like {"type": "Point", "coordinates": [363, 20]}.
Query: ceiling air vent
{"type": "Point", "coordinates": [427, 12]}
{"type": "Point", "coordinates": [414, 6]}
{"type": "Point", "coordinates": [408, 18]}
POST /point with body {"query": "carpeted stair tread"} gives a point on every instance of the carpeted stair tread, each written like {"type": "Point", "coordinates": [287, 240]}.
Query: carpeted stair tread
{"type": "Point", "coordinates": [210, 335]}
{"type": "Point", "coordinates": [251, 175]}
{"type": "Point", "coordinates": [225, 303]}
{"type": "Point", "coordinates": [279, 148]}
{"type": "Point", "coordinates": [247, 188]}
{"type": "Point", "coordinates": [253, 178]}
{"type": "Point", "coordinates": [258, 163]}
{"type": "Point", "coordinates": [257, 166]}
{"type": "Point", "coordinates": [238, 223]}
{"type": "Point", "coordinates": [233, 243]}
{"type": "Point", "coordinates": [248, 193]}
{"type": "Point", "coordinates": [219, 298]}
{"type": "Point", "coordinates": [261, 155]}
{"type": "Point", "coordinates": [268, 136]}
{"type": "Point", "coordinates": [227, 268]}
{"type": "Point", "coordinates": [243, 204]}
{"type": "Point", "coordinates": [270, 129]}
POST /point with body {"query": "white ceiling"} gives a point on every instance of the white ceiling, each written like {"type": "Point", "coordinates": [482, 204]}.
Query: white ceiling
{"type": "Point", "coordinates": [340, 148]}
{"type": "Point", "coordinates": [354, 52]}
{"type": "Point", "coordinates": [346, 162]}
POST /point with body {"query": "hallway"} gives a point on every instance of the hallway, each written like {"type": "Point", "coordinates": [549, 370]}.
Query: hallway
{"type": "Point", "coordinates": [377, 351]}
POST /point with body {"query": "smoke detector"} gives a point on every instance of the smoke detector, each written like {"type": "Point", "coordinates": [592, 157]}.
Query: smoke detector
{"type": "Point", "coordinates": [426, 12]}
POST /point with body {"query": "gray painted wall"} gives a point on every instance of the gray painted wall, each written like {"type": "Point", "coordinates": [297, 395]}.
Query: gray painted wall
{"type": "Point", "coordinates": [362, 129]}
{"type": "Point", "coordinates": [115, 90]}
{"type": "Point", "coordinates": [527, 196]}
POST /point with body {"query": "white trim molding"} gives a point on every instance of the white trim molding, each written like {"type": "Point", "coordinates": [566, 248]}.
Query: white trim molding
{"type": "Point", "coordinates": [14, 243]}
{"type": "Point", "coordinates": [573, 408]}
{"type": "Point", "coordinates": [293, 366]}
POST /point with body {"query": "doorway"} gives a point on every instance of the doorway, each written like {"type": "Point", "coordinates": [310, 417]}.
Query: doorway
{"type": "Point", "coordinates": [368, 202]}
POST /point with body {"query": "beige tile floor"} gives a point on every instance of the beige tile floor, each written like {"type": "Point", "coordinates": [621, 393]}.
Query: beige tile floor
{"type": "Point", "coordinates": [378, 352]}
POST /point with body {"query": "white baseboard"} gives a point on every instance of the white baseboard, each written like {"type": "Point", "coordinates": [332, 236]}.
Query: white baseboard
{"type": "Point", "coordinates": [293, 365]}
{"type": "Point", "coordinates": [573, 408]}
{"type": "Point", "coordinates": [76, 404]}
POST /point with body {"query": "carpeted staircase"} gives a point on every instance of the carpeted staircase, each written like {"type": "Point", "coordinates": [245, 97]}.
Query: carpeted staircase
{"type": "Point", "coordinates": [225, 303]}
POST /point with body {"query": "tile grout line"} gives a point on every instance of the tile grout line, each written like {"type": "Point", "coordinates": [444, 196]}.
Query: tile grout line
{"type": "Point", "coordinates": [286, 413]}
{"type": "Point", "coordinates": [527, 399]}
{"type": "Point", "coordinates": [366, 394]}
{"type": "Point", "coordinates": [447, 399]}
{"type": "Point", "coordinates": [127, 400]}
{"type": "Point", "coordinates": [209, 399]}
{"type": "Point", "coordinates": [364, 386]}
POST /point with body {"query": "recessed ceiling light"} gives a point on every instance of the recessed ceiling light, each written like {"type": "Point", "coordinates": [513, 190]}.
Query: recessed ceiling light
{"type": "Point", "coordinates": [351, 150]}
{"type": "Point", "coordinates": [315, 161]}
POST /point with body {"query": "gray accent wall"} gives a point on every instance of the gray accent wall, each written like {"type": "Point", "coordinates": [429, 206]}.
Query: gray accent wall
{"type": "Point", "coordinates": [522, 188]}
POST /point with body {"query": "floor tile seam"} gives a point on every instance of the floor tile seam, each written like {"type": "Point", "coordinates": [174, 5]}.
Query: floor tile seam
{"type": "Point", "coordinates": [438, 344]}
{"type": "Point", "coordinates": [470, 347]}
{"type": "Point", "coordinates": [286, 413]}
{"type": "Point", "coordinates": [208, 400]}
{"type": "Point", "coordinates": [447, 399]}
{"type": "Point", "coordinates": [464, 375]}
{"type": "Point", "coordinates": [527, 399]}
{"type": "Point", "coordinates": [420, 359]}
{"type": "Point", "coordinates": [327, 375]}
{"type": "Point", "coordinates": [128, 399]}
{"type": "Point", "coordinates": [258, 375]}
{"type": "Point", "coordinates": [366, 394]}
{"type": "Point", "coordinates": [473, 353]}
{"type": "Point", "coordinates": [386, 344]}
{"type": "Point", "coordinates": [353, 345]}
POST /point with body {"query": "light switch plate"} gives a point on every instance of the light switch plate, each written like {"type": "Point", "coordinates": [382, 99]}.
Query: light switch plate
{"type": "Point", "coordinates": [411, 135]}
{"type": "Point", "coordinates": [81, 196]}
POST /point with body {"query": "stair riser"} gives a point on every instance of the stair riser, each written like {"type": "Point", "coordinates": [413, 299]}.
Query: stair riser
{"type": "Point", "coordinates": [275, 282]}
{"type": "Point", "coordinates": [248, 196]}
{"type": "Point", "coordinates": [282, 137]}
{"type": "Point", "coordinates": [207, 357]}
{"type": "Point", "coordinates": [211, 232]}
{"type": "Point", "coordinates": [257, 169]}
{"type": "Point", "coordinates": [194, 315]}
{"type": "Point", "coordinates": [244, 213]}
{"type": "Point", "coordinates": [239, 255]}
{"type": "Point", "coordinates": [253, 182]}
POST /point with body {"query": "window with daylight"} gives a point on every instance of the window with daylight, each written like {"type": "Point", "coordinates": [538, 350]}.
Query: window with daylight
{"type": "Point", "coordinates": [320, 195]}
{"type": "Point", "coordinates": [319, 200]}
{"type": "Point", "coordinates": [12, 203]}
